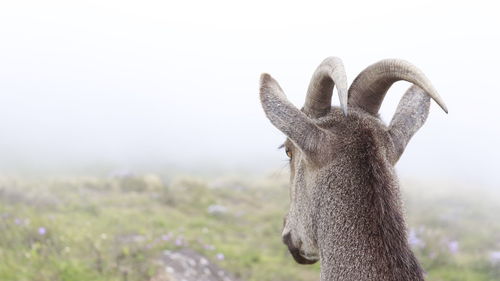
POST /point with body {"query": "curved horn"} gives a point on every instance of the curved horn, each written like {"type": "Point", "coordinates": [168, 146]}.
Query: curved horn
{"type": "Point", "coordinates": [369, 88]}
{"type": "Point", "coordinates": [329, 73]}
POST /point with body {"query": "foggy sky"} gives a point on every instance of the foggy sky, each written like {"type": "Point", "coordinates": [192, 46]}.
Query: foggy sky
{"type": "Point", "coordinates": [131, 83]}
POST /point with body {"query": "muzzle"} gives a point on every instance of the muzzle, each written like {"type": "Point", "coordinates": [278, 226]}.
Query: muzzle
{"type": "Point", "coordinates": [295, 251]}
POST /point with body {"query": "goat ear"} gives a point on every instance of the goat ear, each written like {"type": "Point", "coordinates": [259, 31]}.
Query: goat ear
{"type": "Point", "coordinates": [286, 117]}
{"type": "Point", "coordinates": [410, 115]}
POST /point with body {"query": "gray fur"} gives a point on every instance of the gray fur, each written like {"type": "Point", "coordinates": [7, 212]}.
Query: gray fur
{"type": "Point", "coordinates": [345, 208]}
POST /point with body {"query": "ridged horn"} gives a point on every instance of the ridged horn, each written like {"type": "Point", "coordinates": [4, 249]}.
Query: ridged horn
{"type": "Point", "coordinates": [330, 73]}
{"type": "Point", "coordinates": [370, 86]}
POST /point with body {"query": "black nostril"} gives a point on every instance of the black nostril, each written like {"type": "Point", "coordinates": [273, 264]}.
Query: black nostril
{"type": "Point", "coordinates": [287, 238]}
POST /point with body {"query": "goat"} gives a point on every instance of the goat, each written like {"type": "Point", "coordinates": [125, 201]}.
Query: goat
{"type": "Point", "coordinates": [345, 209]}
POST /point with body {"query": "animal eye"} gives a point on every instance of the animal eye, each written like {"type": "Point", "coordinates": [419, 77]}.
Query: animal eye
{"type": "Point", "coordinates": [288, 152]}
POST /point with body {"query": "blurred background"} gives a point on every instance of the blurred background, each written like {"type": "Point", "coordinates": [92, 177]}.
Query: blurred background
{"type": "Point", "coordinates": [112, 110]}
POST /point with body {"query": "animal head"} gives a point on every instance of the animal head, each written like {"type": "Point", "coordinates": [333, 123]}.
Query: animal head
{"type": "Point", "coordinates": [329, 147]}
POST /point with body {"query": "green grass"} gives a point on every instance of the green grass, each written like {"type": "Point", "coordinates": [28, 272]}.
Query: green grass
{"type": "Point", "coordinates": [87, 228]}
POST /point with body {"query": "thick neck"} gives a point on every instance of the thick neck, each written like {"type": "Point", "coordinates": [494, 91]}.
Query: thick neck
{"type": "Point", "coordinates": [364, 237]}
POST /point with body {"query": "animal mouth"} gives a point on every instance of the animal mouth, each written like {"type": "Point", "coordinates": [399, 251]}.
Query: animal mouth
{"type": "Point", "coordinates": [300, 257]}
{"type": "Point", "coordinates": [297, 254]}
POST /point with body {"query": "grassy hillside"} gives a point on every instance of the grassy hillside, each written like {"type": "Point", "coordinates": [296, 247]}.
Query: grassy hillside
{"type": "Point", "coordinates": [86, 228]}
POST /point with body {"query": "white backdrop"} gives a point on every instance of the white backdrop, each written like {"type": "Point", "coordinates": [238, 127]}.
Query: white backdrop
{"type": "Point", "coordinates": [176, 82]}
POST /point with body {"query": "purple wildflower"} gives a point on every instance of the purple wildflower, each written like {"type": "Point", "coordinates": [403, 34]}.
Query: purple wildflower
{"type": "Point", "coordinates": [453, 246]}
{"type": "Point", "coordinates": [220, 256]}
{"type": "Point", "coordinates": [179, 241]}
{"type": "Point", "coordinates": [414, 240]}
{"type": "Point", "coordinates": [208, 247]}
{"type": "Point", "coordinates": [18, 221]}
{"type": "Point", "coordinates": [42, 231]}
{"type": "Point", "coordinates": [495, 257]}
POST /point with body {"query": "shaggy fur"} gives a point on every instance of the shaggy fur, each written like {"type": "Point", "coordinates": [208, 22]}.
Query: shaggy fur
{"type": "Point", "coordinates": [345, 208]}
{"type": "Point", "coordinates": [358, 211]}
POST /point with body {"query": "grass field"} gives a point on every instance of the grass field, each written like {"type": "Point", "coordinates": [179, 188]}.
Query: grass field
{"type": "Point", "coordinates": [112, 228]}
